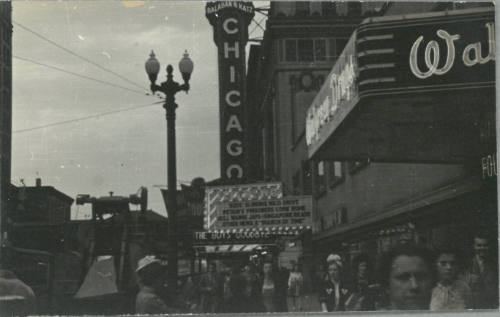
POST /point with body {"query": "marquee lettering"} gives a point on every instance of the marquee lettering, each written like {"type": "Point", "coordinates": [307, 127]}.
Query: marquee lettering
{"type": "Point", "coordinates": [234, 167]}
{"type": "Point", "coordinates": [471, 55]}
{"type": "Point", "coordinates": [234, 148]}
{"type": "Point", "coordinates": [228, 30]}
{"type": "Point", "coordinates": [234, 123]}
{"type": "Point", "coordinates": [235, 49]}
{"type": "Point", "coordinates": [341, 87]}
{"type": "Point", "coordinates": [228, 98]}
{"type": "Point", "coordinates": [475, 49]}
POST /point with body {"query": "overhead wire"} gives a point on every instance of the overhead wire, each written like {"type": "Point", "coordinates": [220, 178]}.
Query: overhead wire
{"type": "Point", "coordinates": [87, 117]}
{"type": "Point", "coordinates": [76, 74]}
{"type": "Point", "coordinates": [77, 55]}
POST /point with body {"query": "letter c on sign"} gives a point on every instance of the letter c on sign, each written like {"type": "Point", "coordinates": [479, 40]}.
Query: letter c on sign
{"type": "Point", "coordinates": [228, 30]}
{"type": "Point", "coordinates": [234, 148]}
{"type": "Point", "coordinates": [236, 167]}
{"type": "Point", "coordinates": [229, 101]}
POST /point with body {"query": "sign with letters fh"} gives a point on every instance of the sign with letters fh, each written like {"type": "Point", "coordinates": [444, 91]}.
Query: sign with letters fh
{"type": "Point", "coordinates": [230, 20]}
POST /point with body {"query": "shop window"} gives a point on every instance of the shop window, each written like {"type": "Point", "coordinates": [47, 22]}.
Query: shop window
{"type": "Point", "coordinates": [290, 50]}
{"type": "Point", "coordinates": [355, 166]}
{"type": "Point", "coordinates": [320, 50]}
{"type": "Point", "coordinates": [296, 183]}
{"type": "Point", "coordinates": [320, 178]}
{"type": "Point", "coordinates": [306, 178]}
{"type": "Point", "coordinates": [340, 216]}
{"type": "Point", "coordinates": [336, 173]}
{"type": "Point", "coordinates": [305, 50]}
{"type": "Point", "coordinates": [302, 8]}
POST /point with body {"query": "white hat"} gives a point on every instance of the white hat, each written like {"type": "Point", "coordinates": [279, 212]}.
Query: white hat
{"type": "Point", "coordinates": [147, 261]}
{"type": "Point", "coordinates": [334, 258]}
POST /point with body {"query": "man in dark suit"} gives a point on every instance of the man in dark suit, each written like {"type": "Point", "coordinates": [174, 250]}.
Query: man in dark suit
{"type": "Point", "coordinates": [482, 274]}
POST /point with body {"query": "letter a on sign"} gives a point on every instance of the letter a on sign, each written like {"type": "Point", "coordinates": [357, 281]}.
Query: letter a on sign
{"type": "Point", "coordinates": [234, 123]}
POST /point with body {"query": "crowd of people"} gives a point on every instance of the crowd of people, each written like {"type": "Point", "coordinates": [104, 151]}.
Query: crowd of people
{"type": "Point", "coordinates": [407, 277]}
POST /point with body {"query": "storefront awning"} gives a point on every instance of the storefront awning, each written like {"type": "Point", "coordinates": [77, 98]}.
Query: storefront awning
{"type": "Point", "coordinates": [227, 248]}
{"type": "Point", "coordinates": [414, 88]}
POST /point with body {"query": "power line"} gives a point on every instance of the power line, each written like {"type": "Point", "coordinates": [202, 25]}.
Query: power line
{"type": "Point", "coordinates": [78, 75]}
{"type": "Point", "coordinates": [87, 117]}
{"type": "Point", "coordinates": [77, 55]}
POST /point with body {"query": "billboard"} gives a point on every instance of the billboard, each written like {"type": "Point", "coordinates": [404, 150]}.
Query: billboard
{"type": "Point", "coordinates": [285, 213]}
{"type": "Point", "coordinates": [215, 195]}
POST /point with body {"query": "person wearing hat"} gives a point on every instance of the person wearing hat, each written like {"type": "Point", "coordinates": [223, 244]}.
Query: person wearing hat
{"type": "Point", "coordinates": [149, 301]}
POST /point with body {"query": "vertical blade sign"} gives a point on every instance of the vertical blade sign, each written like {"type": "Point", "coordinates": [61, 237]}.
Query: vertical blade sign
{"type": "Point", "coordinates": [230, 20]}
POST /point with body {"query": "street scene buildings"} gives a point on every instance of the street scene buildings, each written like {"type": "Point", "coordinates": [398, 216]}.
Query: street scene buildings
{"type": "Point", "coordinates": [356, 169]}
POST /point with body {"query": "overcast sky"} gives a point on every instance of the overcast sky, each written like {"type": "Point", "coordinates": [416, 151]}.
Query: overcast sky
{"type": "Point", "coordinates": [117, 152]}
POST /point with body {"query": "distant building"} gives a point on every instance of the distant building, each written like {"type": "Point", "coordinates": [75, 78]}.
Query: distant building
{"type": "Point", "coordinates": [41, 204]}
{"type": "Point", "coordinates": [5, 107]}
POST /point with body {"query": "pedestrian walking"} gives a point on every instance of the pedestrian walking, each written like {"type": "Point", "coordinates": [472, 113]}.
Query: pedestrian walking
{"type": "Point", "coordinates": [149, 300]}
{"type": "Point", "coordinates": [450, 293]}
{"type": "Point", "coordinates": [482, 274]}
{"type": "Point", "coordinates": [251, 286]}
{"type": "Point", "coordinates": [209, 288]}
{"type": "Point", "coordinates": [319, 275]}
{"type": "Point", "coordinates": [237, 302]}
{"type": "Point", "coordinates": [364, 290]}
{"type": "Point", "coordinates": [407, 275]}
{"type": "Point", "coordinates": [333, 293]}
{"type": "Point", "coordinates": [272, 289]}
{"type": "Point", "coordinates": [295, 287]}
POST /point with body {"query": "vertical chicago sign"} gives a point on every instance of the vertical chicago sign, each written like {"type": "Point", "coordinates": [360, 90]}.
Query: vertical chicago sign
{"type": "Point", "coordinates": [230, 20]}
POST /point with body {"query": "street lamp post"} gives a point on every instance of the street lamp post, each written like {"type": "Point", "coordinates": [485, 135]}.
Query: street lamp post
{"type": "Point", "coordinates": [170, 88]}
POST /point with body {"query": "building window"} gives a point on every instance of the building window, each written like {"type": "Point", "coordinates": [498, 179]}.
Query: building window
{"type": "Point", "coordinates": [320, 49]}
{"type": "Point", "coordinates": [320, 178]}
{"type": "Point", "coordinates": [329, 9]}
{"type": "Point", "coordinates": [302, 8]}
{"type": "Point", "coordinates": [336, 173]}
{"type": "Point", "coordinates": [290, 50]}
{"type": "Point", "coordinates": [306, 178]}
{"type": "Point", "coordinates": [308, 50]}
{"type": "Point", "coordinates": [305, 50]}
{"type": "Point", "coordinates": [355, 166]}
{"type": "Point", "coordinates": [296, 183]}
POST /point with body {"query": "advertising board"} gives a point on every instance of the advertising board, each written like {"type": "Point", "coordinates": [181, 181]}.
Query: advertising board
{"type": "Point", "coordinates": [339, 89]}
{"type": "Point", "coordinates": [426, 53]}
{"type": "Point", "coordinates": [287, 212]}
{"type": "Point", "coordinates": [215, 195]}
{"type": "Point", "coordinates": [230, 20]}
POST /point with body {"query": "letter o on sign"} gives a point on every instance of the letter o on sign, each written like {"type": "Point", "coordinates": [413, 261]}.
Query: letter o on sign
{"type": "Point", "coordinates": [226, 27]}
{"type": "Point", "coordinates": [230, 168]}
{"type": "Point", "coordinates": [234, 148]}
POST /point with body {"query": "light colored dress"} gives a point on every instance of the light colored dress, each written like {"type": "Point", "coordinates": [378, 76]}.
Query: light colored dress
{"type": "Point", "coordinates": [456, 296]}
